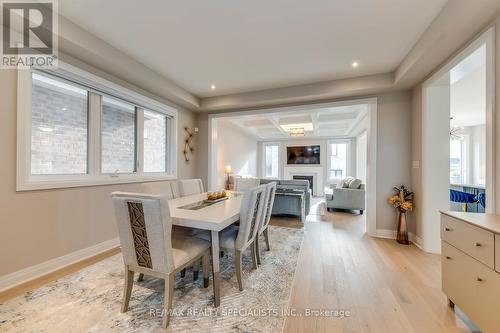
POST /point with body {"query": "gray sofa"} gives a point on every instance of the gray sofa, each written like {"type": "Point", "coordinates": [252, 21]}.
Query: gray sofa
{"type": "Point", "coordinates": [346, 198]}
{"type": "Point", "coordinates": [284, 205]}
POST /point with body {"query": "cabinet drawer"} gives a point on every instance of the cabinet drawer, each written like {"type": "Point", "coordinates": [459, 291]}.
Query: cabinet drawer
{"type": "Point", "coordinates": [472, 286]}
{"type": "Point", "coordinates": [497, 253]}
{"type": "Point", "coordinates": [476, 242]}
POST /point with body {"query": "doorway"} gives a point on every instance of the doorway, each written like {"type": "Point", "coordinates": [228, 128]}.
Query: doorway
{"type": "Point", "coordinates": [457, 136]}
{"type": "Point", "coordinates": [249, 120]}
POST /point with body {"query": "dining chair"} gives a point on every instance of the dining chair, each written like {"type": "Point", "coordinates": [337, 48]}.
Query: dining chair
{"type": "Point", "coordinates": [190, 187]}
{"type": "Point", "coordinates": [150, 247]}
{"type": "Point", "coordinates": [243, 184]}
{"type": "Point", "coordinates": [238, 238]}
{"type": "Point", "coordinates": [265, 218]}
{"type": "Point", "coordinates": [170, 189]}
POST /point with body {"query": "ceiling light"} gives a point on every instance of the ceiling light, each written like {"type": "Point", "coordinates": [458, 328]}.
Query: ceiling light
{"type": "Point", "coordinates": [355, 64]}
{"type": "Point", "coordinates": [296, 132]}
{"type": "Point", "coordinates": [304, 126]}
{"type": "Point", "coordinates": [212, 87]}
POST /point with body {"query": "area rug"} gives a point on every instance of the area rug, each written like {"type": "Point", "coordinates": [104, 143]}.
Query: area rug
{"type": "Point", "coordinates": [89, 300]}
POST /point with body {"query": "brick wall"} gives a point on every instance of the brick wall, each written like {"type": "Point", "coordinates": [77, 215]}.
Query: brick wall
{"type": "Point", "coordinates": [59, 135]}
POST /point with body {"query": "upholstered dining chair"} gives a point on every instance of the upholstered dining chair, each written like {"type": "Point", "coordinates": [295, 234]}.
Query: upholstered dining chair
{"type": "Point", "coordinates": [238, 238]}
{"type": "Point", "coordinates": [169, 189]}
{"type": "Point", "coordinates": [190, 187]}
{"type": "Point", "coordinates": [243, 184]}
{"type": "Point", "coordinates": [265, 218]}
{"type": "Point", "coordinates": [149, 246]}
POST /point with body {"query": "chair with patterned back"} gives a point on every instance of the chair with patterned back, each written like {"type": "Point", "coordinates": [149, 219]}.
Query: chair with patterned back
{"type": "Point", "coordinates": [239, 238]}
{"type": "Point", "coordinates": [265, 218]}
{"type": "Point", "coordinates": [190, 187]}
{"type": "Point", "coordinates": [149, 246]}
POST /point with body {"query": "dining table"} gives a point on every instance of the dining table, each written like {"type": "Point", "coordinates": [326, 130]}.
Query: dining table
{"type": "Point", "coordinates": [193, 211]}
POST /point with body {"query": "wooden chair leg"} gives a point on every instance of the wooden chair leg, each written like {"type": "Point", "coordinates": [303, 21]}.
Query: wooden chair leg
{"type": "Point", "coordinates": [254, 255]}
{"type": "Point", "coordinates": [196, 269]}
{"type": "Point", "coordinates": [257, 248]}
{"type": "Point", "coordinates": [204, 266]}
{"type": "Point", "coordinates": [238, 264]}
{"type": "Point", "coordinates": [140, 278]}
{"type": "Point", "coordinates": [266, 237]}
{"type": "Point", "coordinates": [127, 290]}
{"type": "Point", "coordinates": [169, 294]}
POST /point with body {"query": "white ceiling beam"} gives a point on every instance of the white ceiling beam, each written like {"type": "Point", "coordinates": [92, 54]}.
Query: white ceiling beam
{"type": "Point", "coordinates": [314, 119]}
{"type": "Point", "coordinates": [356, 121]}
{"type": "Point", "coordinates": [276, 123]}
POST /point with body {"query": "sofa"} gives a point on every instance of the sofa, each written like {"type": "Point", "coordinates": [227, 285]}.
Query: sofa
{"type": "Point", "coordinates": [340, 196]}
{"type": "Point", "coordinates": [285, 205]}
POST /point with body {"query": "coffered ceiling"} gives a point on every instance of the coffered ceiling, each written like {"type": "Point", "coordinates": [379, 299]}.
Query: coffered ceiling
{"type": "Point", "coordinates": [340, 121]}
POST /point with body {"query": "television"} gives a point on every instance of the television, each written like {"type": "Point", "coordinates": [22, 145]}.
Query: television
{"type": "Point", "coordinates": [303, 155]}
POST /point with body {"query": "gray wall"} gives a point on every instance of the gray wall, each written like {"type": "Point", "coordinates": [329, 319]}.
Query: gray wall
{"type": "Point", "coordinates": [43, 225]}
{"type": "Point", "coordinates": [393, 152]}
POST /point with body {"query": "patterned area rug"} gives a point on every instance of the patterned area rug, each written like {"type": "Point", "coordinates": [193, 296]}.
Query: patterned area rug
{"type": "Point", "coordinates": [90, 300]}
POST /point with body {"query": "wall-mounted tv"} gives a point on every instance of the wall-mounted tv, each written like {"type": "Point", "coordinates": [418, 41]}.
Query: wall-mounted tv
{"type": "Point", "coordinates": [303, 155]}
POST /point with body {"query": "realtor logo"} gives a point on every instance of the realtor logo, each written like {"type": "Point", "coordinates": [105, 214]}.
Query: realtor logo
{"type": "Point", "coordinates": [28, 33]}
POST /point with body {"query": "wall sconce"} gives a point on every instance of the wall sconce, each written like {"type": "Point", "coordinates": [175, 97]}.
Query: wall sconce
{"type": "Point", "coordinates": [227, 170]}
{"type": "Point", "coordinates": [188, 143]}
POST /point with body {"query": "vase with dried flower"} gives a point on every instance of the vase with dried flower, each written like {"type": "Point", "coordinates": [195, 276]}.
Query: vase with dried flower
{"type": "Point", "coordinates": [403, 202]}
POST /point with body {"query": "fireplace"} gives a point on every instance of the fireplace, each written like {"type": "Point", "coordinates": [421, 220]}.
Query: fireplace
{"type": "Point", "coordinates": [309, 178]}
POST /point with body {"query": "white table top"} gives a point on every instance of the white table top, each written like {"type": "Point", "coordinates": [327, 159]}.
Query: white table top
{"type": "Point", "coordinates": [215, 217]}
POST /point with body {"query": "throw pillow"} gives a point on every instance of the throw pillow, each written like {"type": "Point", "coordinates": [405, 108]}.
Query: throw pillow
{"type": "Point", "coordinates": [347, 182]}
{"type": "Point", "coordinates": [355, 183]}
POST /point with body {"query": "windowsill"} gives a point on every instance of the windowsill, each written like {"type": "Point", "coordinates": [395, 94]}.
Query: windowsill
{"type": "Point", "coordinates": [86, 181]}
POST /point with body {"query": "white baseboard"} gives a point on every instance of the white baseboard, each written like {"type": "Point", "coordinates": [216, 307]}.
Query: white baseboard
{"type": "Point", "coordinates": [27, 274]}
{"type": "Point", "coordinates": [391, 234]}
{"type": "Point", "coordinates": [385, 233]}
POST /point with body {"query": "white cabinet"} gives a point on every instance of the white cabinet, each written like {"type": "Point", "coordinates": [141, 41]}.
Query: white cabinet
{"type": "Point", "coordinates": [470, 255]}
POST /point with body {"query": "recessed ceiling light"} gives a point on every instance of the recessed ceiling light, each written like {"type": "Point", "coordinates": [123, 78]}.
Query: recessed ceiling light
{"type": "Point", "coordinates": [355, 64]}
{"type": "Point", "coordinates": [212, 87]}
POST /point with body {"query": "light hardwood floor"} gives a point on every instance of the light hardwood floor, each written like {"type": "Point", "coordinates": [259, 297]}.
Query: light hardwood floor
{"type": "Point", "coordinates": [387, 287]}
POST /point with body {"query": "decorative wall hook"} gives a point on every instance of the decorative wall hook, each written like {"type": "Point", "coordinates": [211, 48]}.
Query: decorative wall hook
{"type": "Point", "coordinates": [188, 143]}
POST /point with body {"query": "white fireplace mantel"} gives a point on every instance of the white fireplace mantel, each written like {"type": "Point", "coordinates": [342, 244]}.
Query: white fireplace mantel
{"type": "Point", "coordinates": [315, 171]}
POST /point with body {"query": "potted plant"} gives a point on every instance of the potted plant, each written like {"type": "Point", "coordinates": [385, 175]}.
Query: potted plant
{"type": "Point", "coordinates": [403, 202]}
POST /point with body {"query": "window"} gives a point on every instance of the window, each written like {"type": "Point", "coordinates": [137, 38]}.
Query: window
{"type": "Point", "coordinates": [59, 127]}
{"type": "Point", "coordinates": [155, 141]}
{"type": "Point", "coordinates": [82, 130]}
{"type": "Point", "coordinates": [338, 157]}
{"type": "Point", "coordinates": [118, 136]}
{"type": "Point", "coordinates": [271, 160]}
{"type": "Point", "coordinates": [458, 161]}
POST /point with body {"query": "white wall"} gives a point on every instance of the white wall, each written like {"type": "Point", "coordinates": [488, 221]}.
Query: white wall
{"type": "Point", "coordinates": [361, 151]}
{"type": "Point", "coordinates": [237, 149]}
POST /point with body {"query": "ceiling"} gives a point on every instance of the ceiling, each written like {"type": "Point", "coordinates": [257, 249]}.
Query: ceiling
{"type": "Point", "coordinates": [256, 45]}
{"type": "Point", "coordinates": [339, 121]}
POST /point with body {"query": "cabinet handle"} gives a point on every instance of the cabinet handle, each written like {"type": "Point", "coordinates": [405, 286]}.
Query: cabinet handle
{"type": "Point", "coordinates": [479, 279]}
{"type": "Point", "coordinates": [478, 244]}
{"type": "Point", "coordinates": [448, 257]}
{"type": "Point", "coordinates": [447, 229]}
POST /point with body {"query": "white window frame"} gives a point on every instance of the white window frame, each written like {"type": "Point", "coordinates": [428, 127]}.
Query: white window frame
{"type": "Point", "coordinates": [264, 145]}
{"type": "Point", "coordinates": [96, 87]}
{"type": "Point", "coordinates": [348, 157]}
